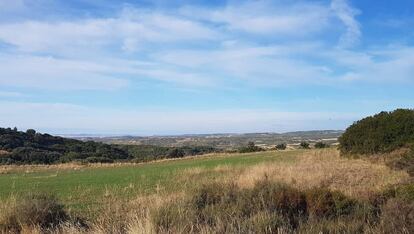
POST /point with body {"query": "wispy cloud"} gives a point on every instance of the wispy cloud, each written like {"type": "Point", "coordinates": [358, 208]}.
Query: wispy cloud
{"type": "Point", "coordinates": [56, 74]}
{"type": "Point", "coordinates": [347, 14]}
{"type": "Point", "coordinates": [127, 31]}
{"type": "Point", "coordinates": [266, 17]}
{"type": "Point", "coordinates": [194, 46]}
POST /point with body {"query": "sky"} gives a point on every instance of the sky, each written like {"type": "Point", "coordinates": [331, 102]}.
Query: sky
{"type": "Point", "coordinates": [179, 67]}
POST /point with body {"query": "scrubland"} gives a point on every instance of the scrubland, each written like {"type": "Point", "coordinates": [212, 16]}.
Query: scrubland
{"type": "Point", "coordinates": [293, 191]}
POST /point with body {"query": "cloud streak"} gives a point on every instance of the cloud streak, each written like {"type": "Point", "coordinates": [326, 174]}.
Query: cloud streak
{"type": "Point", "coordinates": [347, 15]}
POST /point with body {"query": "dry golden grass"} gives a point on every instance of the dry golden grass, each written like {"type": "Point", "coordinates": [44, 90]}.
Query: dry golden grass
{"type": "Point", "coordinates": [353, 177]}
{"type": "Point", "coordinates": [315, 168]}
{"type": "Point", "coordinates": [132, 217]}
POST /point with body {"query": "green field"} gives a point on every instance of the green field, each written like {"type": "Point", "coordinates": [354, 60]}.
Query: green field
{"type": "Point", "coordinates": [86, 186]}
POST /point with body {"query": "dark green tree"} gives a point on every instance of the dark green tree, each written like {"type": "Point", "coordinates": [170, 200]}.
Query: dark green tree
{"type": "Point", "coordinates": [304, 145]}
{"type": "Point", "coordinates": [382, 132]}
{"type": "Point", "coordinates": [281, 146]}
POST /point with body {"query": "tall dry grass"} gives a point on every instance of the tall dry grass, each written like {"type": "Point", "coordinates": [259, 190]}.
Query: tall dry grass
{"type": "Point", "coordinates": [325, 168]}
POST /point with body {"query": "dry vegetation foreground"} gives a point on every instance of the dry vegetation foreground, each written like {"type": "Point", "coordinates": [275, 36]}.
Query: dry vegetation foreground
{"type": "Point", "coordinates": [268, 194]}
{"type": "Point", "coordinates": [325, 168]}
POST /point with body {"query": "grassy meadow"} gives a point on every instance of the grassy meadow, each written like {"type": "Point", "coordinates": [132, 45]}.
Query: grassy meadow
{"type": "Point", "coordinates": [125, 198]}
{"type": "Point", "coordinates": [82, 185]}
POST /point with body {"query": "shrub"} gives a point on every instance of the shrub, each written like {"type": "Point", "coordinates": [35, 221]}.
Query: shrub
{"type": "Point", "coordinates": [280, 198]}
{"type": "Point", "coordinates": [323, 203]}
{"type": "Point", "coordinates": [404, 161]}
{"type": "Point", "coordinates": [38, 210]}
{"type": "Point", "coordinates": [250, 148]}
{"type": "Point", "coordinates": [265, 208]}
{"type": "Point", "coordinates": [304, 145]}
{"type": "Point", "coordinates": [98, 160]}
{"type": "Point", "coordinates": [397, 216]}
{"type": "Point", "coordinates": [403, 191]}
{"type": "Point", "coordinates": [176, 153]}
{"type": "Point", "coordinates": [320, 145]}
{"type": "Point", "coordinates": [281, 146]}
{"type": "Point", "coordinates": [225, 208]}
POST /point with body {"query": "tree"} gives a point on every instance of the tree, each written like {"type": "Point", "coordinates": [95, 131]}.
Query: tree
{"type": "Point", "coordinates": [31, 132]}
{"type": "Point", "coordinates": [304, 145]}
{"type": "Point", "coordinates": [281, 146]}
{"type": "Point", "coordinates": [176, 153]}
{"type": "Point", "coordinates": [251, 147]}
{"type": "Point", "coordinates": [381, 133]}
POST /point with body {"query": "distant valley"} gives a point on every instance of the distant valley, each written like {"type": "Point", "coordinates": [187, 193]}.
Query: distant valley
{"type": "Point", "coordinates": [223, 141]}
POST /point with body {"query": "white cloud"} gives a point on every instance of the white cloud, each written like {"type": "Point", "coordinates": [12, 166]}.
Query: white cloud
{"type": "Point", "coordinates": [200, 47]}
{"type": "Point", "coordinates": [99, 74]}
{"type": "Point", "coordinates": [126, 31]}
{"type": "Point", "coordinates": [347, 15]}
{"type": "Point", "coordinates": [266, 18]}
{"type": "Point", "coordinates": [52, 73]}
{"type": "Point", "coordinates": [385, 65]}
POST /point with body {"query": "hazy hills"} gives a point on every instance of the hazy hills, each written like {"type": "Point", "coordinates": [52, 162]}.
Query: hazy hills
{"type": "Point", "coordinates": [226, 140]}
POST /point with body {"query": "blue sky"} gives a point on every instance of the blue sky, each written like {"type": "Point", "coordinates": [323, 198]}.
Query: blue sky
{"type": "Point", "coordinates": [173, 67]}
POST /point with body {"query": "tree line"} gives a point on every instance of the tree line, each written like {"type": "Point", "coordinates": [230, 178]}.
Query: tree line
{"type": "Point", "coordinates": [31, 147]}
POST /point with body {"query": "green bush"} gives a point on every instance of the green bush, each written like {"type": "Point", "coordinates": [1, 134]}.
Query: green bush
{"type": "Point", "coordinates": [250, 148]}
{"type": "Point", "coordinates": [98, 160]}
{"type": "Point", "coordinates": [304, 145]}
{"type": "Point", "coordinates": [320, 145]}
{"type": "Point", "coordinates": [281, 146]}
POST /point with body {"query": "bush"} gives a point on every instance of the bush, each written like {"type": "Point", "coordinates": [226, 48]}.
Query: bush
{"type": "Point", "coordinates": [98, 160]}
{"type": "Point", "coordinates": [250, 148]}
{"type": "Point", "coordinates": [323, 203]}
{"type": "Point", "coordinates": [281, 146]}
{"type": "Point", "coordinates": [320, 145]}
{"type": "Point", "coordinates": [304, 145]}
{"type": "Point", "coordinates": [397, 216]}
{"type": "Point", "coordinates": [176, 153]}
{"type": "Point", "coordinates": [404, 161]}
{"type": "Point", "coordinates": [38, 210]}
{"type": "Point", "coordinates": [225, 208]}
{"type": "Point", "coordinates": [280, 198]}
{"type": "Point", "coordinates": [265, 208]}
